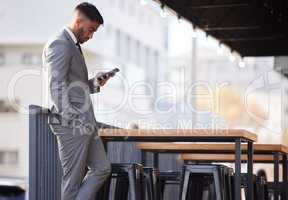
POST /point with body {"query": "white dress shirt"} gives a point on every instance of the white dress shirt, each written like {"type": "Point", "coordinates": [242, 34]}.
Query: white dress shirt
{"type": "Point", "coordinates": [71, 34]}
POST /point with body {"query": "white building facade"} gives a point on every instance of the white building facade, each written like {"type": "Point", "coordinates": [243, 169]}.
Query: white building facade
{"type": "Point", "coordinates": [133, 39]}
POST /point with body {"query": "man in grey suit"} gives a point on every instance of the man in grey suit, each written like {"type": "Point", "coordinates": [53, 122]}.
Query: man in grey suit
{"type": "Point", "coordinates": [72, 117]}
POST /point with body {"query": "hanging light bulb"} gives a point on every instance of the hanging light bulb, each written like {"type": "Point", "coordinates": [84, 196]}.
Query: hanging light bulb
{"type": "Point", "coordinates": [220, 49]}
{"type": "Point", "coordinates": [163, 13]}
{"type": "Point", "coordinates": [207, 37]}
{"type": "Point", "coordinates": [143, 2]}
{"type": "Point", "coordinates": [179, 19]}
{"type": "Point", "coordinates": [232, 57]}
{"type": "Point", "coordinates": [194, 32]}
{"type": "Point", "coordinates": [241, 63]}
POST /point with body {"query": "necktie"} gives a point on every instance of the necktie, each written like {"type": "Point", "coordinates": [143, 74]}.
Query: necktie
{"type": "Point", "coordinates": [79, 47]}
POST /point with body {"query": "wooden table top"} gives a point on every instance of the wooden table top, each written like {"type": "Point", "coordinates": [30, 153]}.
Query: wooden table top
{"type": "Point", "coordinates": [176, 133]}
{"type": "Point", "coordinates": [209, 147]}
{"type": "Point", "coordinates": [224, 158]}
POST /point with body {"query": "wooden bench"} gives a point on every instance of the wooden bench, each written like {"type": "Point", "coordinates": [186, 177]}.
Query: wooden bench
{"type": "Point", "coordinates": [209, 148]}
{"type": "Point", "coordinates": [230, 158]}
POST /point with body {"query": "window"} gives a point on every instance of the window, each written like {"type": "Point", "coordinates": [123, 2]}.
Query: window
{"type": "Point", "coordinates": [142, 56]}
{"type": "Point", "coordinates": [2, 59]}
{"type": "Point", "coordinates": [27, 59]}
{"type": "Point", "coordinates": [128, 47]}
{"type": "Point", "coordinates": [156, 59]}
{"type": "Point", "coordinates": [166, 38]}
{"type": "Point", "coordinates": [137, 52]}
{"type": "Point", "coordinates": [147, 57]}
{"type": "Point", "coordinates": [134, 51]}
{"type": "Point", "coordinates": [31, 59]}
{"type": "Point", "coordinates": [118, 43]}
{"type": "Point", "coordinates": [9, 157]}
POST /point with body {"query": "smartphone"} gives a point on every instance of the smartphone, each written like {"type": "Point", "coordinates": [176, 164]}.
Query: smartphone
{"type": "Point", "coordinates": [108, 74]}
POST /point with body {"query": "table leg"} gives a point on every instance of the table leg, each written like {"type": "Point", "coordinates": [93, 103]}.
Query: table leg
{"type": "Point", "coordinates": [237, 180]}
{"type": "Point", "coordinates": [284, 177]}
{"type": "Point", "coordinates": [250, 189]}
{"type": "Point", "coordinates": [105, 144]}
{"type": "Point", "coordinates": [155, 160]}
{"type": "Point", "coordinates": [143, 158]}
{"type": "Point", "coordinates": [276, 176]}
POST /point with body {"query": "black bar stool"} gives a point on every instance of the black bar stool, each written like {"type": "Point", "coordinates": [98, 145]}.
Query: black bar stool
{"type": "Point", "coordinates": [215, 179]}
{"type": "Point", "coordinates": [261, 189]}
{"type": "Point", "coordinates": [260, 185]}
{"type": "Point", "coordinates": [168, 178]}
{"type": "Point", "coordinates": [129, 179]}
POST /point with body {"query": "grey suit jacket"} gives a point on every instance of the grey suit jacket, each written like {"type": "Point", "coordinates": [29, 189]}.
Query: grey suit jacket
{"type": "Point", "coordinates": [70, 87]}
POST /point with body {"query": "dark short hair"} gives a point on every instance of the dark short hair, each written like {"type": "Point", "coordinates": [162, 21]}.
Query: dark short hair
{"type": "Point", "coordinates": [90, 11]}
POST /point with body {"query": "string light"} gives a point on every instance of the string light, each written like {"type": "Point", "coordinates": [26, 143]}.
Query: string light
{"type": "Point", "coordinates": [194, 32]}
{"type": "Point", "coordinates": [220, 49]}
{"type": "Point", "coordinates": [241, 63]}
{"type": "Point", "coordinates": [231, 57]}
{"type": "Point", "coordinates": [143, 2]}
{"type": "Point", "coordinates": [179, 19]}
{"type": "Point", "coordinates": [207, 37]}
{"type": "Point", "coordinates": [163, 13]}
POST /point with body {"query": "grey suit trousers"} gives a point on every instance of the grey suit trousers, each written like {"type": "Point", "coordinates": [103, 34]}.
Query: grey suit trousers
{"type": "Point", "coordinates": [78, 151]}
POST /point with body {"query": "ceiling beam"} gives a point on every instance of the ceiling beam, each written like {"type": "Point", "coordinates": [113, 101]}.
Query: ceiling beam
{"type": "Point", "coordinates": [231, 28]}
{"type": "Point", "coordinates": [255, 38]}
{"type": "Point", "coordinates": [247, 33]}
{"type": "Point", "coordinates": [260, 48]}
{"type": "Point", "coordinates": [258, 53]}
{"type": "Point", "coordinates": [212, 6]}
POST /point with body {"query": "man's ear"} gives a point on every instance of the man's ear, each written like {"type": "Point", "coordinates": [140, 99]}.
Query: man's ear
{"type": "Point", "coordinates": [78, 21]}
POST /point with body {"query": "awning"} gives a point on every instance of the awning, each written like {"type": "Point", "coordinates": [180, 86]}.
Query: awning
{"type": "Point", "coordinates": [249, 27]}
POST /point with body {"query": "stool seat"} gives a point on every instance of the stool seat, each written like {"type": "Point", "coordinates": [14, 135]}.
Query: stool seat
{"type": "Point", "coordinates": [217, 176]}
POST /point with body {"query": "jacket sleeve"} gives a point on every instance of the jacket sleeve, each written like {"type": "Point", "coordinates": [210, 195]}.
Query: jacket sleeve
{"type": "Point", "coordinates": [93, 88]}
{"type": "Point", "coordinates": [58, 59]}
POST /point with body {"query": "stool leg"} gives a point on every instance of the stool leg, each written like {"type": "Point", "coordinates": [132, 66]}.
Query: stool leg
{"type": "Point", "coordinates": [237, 177]}
{"type": "Point", "coordinates": [250, 182]}
{"type": "Point", "coordinates": [148, 187]}
{"type": "Point", "coordinates": [212, 195]}
{"type": "Point", "coordinates": [217, 185]}
{"type": "Point", "coordinates": [230, 185]}
{"type": "Point", "coordinates": [285, 177]}
{"type": "Point", "coordinates": [135, 185]}
{"type": "Point", "coordinates": [161, 186]}
{"type": "Point", "coordinates": [185, 185]}
{"type": "Point", "coordinates": [121, 188]}
{"type": "Point", "coordinates": [276, 176]}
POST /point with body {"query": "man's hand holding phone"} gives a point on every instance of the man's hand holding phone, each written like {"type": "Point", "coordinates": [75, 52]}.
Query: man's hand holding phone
{"type": "Point", "coordinates": [102, 77]}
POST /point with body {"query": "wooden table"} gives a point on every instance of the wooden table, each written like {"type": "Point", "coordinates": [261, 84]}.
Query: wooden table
{"type": "Point", "coordinates": [207, 152]}
{"type": "Point", "coordinates": [236, 136]}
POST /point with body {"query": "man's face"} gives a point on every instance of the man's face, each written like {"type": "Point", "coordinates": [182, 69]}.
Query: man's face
{"type": "Point", "coordinates": [85, 29]}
